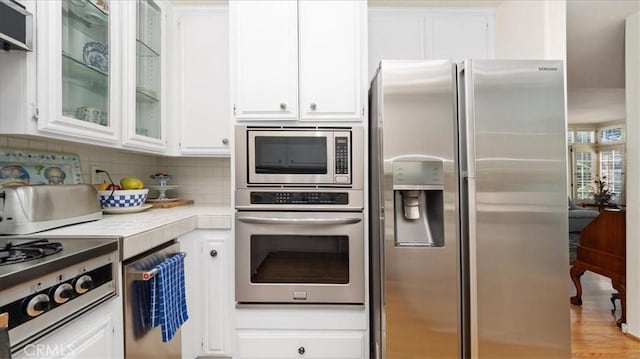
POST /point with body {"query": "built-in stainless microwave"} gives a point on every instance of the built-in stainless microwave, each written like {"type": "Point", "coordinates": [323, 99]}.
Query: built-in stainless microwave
{"type": "Point", "coordinates": [299, 156]}
{"type": "Point", "coordinates": [16, 26]}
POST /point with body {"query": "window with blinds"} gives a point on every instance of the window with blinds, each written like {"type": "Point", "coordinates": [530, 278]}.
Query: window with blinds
{"type": "Point", "coordinates": [611, 170]}
{"type": "Point", "coordinates": [585, 137]}
{"type": "Point", "coordinates": [611, 135]}
{"type": "Point", "coordinates": [583, 174]}
{"type": "Point", "coordinates": [597, 151]}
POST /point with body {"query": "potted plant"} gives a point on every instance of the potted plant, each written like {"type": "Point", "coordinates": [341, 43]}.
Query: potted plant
{"type": "Point", "coordinates": [601, 192]}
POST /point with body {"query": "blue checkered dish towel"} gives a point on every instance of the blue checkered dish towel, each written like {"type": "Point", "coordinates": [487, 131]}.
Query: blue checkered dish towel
{"type": "Point", "coordinates": [168, 300]}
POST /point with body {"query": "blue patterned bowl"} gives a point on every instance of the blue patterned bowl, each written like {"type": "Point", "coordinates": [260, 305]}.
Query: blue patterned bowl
{"type": "Point", "coordinates": [122, 198]}
{"type": "Point", "coordinates": [96, 55]}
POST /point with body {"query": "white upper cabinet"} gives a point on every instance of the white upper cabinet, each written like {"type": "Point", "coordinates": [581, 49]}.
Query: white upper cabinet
{"type": "Point", "coordinates": [78, 69]}
{"type": "Point", "coordinates": [200, 101]}
{"type": "Point", "coordinates": [144, 86]}
{"type": "Point", "coordinates": [309, 50]}
{"type": "Point", "coordinates": [460, 37]}
{"type": "Point", "coordinates": [419, 33]}
{"type": "Point", "coordinates": [330, 60]}
{"type": "Point", "coordinates": [266, 55]}
{"type": "Point", "coordinates": [97, 75]}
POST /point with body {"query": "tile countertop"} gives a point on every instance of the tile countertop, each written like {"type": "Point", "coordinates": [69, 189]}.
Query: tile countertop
{"type": "Point", "coordinates": [142, 231]}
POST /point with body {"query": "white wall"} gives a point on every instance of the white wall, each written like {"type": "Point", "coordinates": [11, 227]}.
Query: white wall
{"type": "Point", "coordinates": [520, 30]}
{"type": "Point", "coordinates": [531, 29]}
{"type": "Point", "coordinates": [632, 75]}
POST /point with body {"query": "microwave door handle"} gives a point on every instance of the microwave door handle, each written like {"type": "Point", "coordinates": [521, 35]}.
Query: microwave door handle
{"type": "Point", "coordinates": [261, 220]}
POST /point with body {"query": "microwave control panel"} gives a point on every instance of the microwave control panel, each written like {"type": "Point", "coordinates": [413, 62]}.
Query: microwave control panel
{"type": "Point", "coordinates": [335, 198]}
{"type": "Point", "coordinates": [342, 155]}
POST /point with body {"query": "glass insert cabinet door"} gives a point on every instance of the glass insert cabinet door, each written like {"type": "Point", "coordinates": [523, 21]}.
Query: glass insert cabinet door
{"type": "Point", "coordinates": [148, 69]}
{"type": "Point", "coordinates": [86, 61]}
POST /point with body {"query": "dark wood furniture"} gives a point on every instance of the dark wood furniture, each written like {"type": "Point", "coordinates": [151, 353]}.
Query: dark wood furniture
{"type": "Point", "coordinates": [600, 206]}
{"type": "Point", "coordinates": [602, 250]}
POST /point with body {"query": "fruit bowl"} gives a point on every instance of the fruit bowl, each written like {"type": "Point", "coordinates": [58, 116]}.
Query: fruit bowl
{"type": "Point", "coordinates": [122, 198]}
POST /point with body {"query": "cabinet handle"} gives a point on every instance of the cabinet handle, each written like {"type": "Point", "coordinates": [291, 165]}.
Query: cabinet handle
{"type": "Point", "coordinates": [283, 106]}
{"type": "Point", "coordinates": [213, 253]}
{"type": "Point", "coordinates": [301, 350]}
{"type": "Point", "coordinates": [225, 141]}
{"type": "Point", "coordinates": [313, 106]}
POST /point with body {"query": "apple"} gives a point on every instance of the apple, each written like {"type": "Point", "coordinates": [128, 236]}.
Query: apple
{"type": "Point", "coordinates": [113, 187]}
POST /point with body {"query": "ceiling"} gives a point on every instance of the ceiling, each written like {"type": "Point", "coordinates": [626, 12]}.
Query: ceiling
{"type": "Point", "coordinates": [595, 59]}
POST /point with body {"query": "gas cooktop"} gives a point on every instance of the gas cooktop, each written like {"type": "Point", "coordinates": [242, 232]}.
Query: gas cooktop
{"type": "Point", "coordinates": [22, 259]}
{"type": "Point", "coordinates": [21, 251]}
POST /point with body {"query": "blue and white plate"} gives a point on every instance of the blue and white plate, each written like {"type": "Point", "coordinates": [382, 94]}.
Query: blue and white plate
{"type": "Point", "coordinates": [96, 55]}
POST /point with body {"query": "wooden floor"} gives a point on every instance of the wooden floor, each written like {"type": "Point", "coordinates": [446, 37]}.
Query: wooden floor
{"type": "Point", "coordinates": [594, 333]}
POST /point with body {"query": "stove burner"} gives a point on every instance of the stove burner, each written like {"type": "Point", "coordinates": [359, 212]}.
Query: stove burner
{"type": "Point", "coordinates": [10, 253]}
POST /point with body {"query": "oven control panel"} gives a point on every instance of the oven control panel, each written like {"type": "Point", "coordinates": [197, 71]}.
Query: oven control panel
{"type": "Point", "coordinates": [312, 198]}
{"type": "Point", "coordinates": [44, 299]}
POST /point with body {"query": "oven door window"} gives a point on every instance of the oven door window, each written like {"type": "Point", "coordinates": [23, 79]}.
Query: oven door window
{"type": "Point", "coordinates": [299, 259]}
{"type": "Point", "coordinates": [290, 155]}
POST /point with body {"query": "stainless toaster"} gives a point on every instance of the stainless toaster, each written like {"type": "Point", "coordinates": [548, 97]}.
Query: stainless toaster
{"type": "Point", "coordinates": [30, 209]}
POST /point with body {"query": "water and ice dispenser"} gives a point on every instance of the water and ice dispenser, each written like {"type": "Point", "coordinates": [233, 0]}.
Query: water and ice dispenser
{"type": "Point", "coordinates": [418, 190]}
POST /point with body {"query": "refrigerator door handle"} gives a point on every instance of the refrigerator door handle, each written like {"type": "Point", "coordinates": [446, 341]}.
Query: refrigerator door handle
{"type": "Point", "coordinates": [468, 210]}
{"type": "Point", "coordinates": [471, 235]}
{"type": "Point", "coordinates": [470, 120]}
{"type": "Point", "coordinates": [260, 220]}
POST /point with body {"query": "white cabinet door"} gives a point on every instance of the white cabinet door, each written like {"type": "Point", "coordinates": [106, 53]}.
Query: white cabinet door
{"type": "Point", "coordinates": [420, 33]}
{"type": "Point", "coordinates": [79, 70]}
{"type": "Point", "coordinates": [216, 283]}
{"type": "Point", "coordinates": [285, 345]}
{"type": "Point", "coordinates": [265, 53]}
{"type": "Point", "coordinates": [201, 68]}
{"type": "Point", "coordinates": [207, 273]}
{"type": "Point", "coordinates": [145, 51]}
{"type": "Point", "coordinates": [397, 36]}
{"type": "Point", "coordinates": [459, 37]}
{"type": "Point", "coordinates": [92, 335]}
{"type": "Point", "coordinates": [330, 59]}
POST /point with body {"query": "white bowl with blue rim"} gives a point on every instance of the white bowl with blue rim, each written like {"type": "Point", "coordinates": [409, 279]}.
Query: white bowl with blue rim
{"type": "Point", "coordinates": [122, 198]}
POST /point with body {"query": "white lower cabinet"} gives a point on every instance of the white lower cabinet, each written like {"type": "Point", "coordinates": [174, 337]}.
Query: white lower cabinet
{"type": "Point", "coordinates": [300, 344]}
{"type": "Point", "coordinates": [209, 298]}
{"type": "Point", "coordinates": [96, 334]}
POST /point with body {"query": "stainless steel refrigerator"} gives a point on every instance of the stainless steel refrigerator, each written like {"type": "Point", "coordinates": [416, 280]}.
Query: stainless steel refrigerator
{"type": "Point", "coordinates": [469, 210]}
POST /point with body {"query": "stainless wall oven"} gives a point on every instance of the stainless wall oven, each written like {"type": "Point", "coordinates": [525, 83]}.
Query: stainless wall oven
{"type": "Point", "coordinates": [299, 224]}
{"type": "Point", "coordinates": [300, 257]}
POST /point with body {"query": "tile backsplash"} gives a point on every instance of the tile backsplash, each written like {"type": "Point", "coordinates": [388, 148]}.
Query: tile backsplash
{"type": "Point", "coordinates": [205, 180]}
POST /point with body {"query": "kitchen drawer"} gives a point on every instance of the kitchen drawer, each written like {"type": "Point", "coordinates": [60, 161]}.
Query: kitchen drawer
{"type": "Point", "coordinates": [299, 345]}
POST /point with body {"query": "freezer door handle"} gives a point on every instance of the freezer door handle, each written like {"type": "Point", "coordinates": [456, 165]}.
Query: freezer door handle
{"type": "Point", "coordinates": [261, 220]}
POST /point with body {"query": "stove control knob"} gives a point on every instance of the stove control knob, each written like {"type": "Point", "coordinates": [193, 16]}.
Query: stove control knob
{"type": "Point", "coordinates": [38, 305]}
{"type": "Point", "coordinates": [83, 284]}
{"type": "Point", "coordinates": [63, 293]}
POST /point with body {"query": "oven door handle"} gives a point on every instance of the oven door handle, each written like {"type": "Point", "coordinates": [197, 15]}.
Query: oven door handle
{"type": "Point", "coordinates": [262, 220]}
